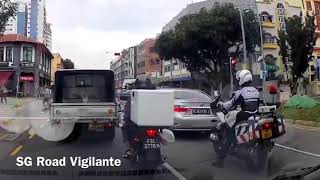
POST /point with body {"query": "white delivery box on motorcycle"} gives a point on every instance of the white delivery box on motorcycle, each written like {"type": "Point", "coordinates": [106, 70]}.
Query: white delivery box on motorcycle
{"type": "Point", "coordinates": [153, 108]}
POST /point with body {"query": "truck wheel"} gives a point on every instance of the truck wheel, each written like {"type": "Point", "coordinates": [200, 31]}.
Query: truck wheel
{"type": "Point", "coordinates": [74, 135]}
{"type": "Point", "coordinates": [110, 133]}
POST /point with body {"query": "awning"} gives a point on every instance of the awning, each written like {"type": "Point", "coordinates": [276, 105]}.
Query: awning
{"type": "Point", "coordinates": [4, 77]}
{"type": "Point", "coordinates": [182, 79]}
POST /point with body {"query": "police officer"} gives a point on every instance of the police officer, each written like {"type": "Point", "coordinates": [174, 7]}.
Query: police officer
{"type": "Point", "coordinates": [129, 128]}
{"type": "Point", "coordinates": [247, 97]}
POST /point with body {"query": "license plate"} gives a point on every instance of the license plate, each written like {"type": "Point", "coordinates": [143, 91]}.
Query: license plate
{"type": "Point", "coordinates": [96, 127]}
{"type": "Point", "coordinates": [266, 134]}
{"type": "Point", "coordinates": [200, 111]}
{"type": "Point", "coordinates": [151, 144]}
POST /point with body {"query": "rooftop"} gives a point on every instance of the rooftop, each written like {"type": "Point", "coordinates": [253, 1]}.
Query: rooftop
{"type": "Point", "coordinates": [14, 38]}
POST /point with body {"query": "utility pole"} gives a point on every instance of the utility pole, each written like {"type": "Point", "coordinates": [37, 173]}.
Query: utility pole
{"type": "Point", "coordinates": [231, 76]}
{"type": "Point", "coordinates": [243, 38]}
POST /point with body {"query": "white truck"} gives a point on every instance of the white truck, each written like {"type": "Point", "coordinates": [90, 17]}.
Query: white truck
{"type": "Point", "coordinates": [86, 98]}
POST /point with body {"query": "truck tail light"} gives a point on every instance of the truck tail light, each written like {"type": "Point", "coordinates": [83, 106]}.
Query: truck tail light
{"type": "Point", "coordinates": [110, 111]}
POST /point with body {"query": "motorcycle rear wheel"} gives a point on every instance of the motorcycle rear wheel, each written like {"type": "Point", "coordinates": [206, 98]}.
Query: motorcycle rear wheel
{"type": "Point", "coordinates": [258, 159]}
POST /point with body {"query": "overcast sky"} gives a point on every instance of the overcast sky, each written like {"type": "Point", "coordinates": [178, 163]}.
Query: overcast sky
{"type": "Point", "coordinates": [84, 30]}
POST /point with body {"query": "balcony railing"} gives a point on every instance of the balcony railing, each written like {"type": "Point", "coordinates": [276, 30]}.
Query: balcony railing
{"type": "Point", "coordinates": [27, 64]}
{"type": "Point", "coordinates": [270, 45]}
{"type": "Point", "coordinates": [268, 24]}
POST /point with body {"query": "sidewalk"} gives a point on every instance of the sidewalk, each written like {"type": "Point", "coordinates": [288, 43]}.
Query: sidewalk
{"type": "Point", "coordinates": [13, 105]}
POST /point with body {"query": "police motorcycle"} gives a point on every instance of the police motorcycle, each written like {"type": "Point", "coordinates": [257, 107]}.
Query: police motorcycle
{"type": "Point", "coordinates": [250, 139]}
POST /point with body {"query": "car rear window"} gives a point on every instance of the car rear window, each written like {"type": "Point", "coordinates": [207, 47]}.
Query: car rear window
{"type": "Point", "coordinates": [192, 95]}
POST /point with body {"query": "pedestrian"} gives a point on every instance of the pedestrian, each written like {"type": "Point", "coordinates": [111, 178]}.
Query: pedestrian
{"type": "Point", "coordinates": [4, 93]}
{"type": "Point", "coordinates": [46, 99]}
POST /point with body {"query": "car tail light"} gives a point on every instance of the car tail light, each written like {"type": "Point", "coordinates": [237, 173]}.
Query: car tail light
{"type": "Point", "coordinates": [181, 109]}
{"type": "Point", "coordinates": [267, 126]}
{"type": "Point", "coordinates": [109, 125]}
{"type": "Point", "coordinates": [152, 133]}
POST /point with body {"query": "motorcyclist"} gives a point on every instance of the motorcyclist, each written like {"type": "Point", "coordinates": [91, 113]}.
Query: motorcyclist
{"type": "Point", "coordinates": [129, 128]}
{"type": "Point", "coordinates": [247, 97]}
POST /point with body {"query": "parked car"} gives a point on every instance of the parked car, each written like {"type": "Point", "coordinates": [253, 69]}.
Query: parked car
{"type": "Point", "coordinates": [192, 111]}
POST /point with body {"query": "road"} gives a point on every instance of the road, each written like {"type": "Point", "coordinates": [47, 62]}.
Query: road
{"type": "Point", "coordinates": [190, 156]}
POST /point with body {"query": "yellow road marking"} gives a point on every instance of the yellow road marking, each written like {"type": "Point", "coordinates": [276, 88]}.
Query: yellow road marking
{"type": "Point", "coordinates": [16, 150]}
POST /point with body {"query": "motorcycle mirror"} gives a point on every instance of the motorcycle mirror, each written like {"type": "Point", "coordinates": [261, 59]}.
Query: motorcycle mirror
{"type": "Point", "coordinates": [216, 93]}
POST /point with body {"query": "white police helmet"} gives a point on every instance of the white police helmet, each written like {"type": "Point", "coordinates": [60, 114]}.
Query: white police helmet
{"type": "Point", "coordinates": [243, 76]}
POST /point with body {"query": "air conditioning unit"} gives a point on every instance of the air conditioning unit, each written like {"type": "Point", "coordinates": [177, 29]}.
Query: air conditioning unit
{"type": "Point", "coordinates": [10, 63]}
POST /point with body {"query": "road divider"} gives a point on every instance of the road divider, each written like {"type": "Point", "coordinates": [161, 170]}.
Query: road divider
{"type": "Point", "coordinates": [298, 151]}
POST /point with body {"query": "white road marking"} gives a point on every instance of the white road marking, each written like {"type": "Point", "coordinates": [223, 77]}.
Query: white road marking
{"type": "Point", "coordinates": [298, 151]}
{"type": "Point", "coordinates": [24, 118]}
{"type": "Point", "coordinates": [173, 171]}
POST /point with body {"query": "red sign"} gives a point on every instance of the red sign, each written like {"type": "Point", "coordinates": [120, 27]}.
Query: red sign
{"type": "Point", "coordinates": [26, 78]}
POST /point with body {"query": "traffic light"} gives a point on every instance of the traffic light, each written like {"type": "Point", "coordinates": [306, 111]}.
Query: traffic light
{"type": "Point", "coordinates": [117, 54]}
{"type": "Point", "coordinates": [272, 68]}
{"type": "Point", "coordinates": [234, 61]}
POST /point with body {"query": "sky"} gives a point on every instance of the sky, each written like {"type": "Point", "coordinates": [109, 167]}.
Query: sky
{"type": "Point", "coordinates": [89, 32]}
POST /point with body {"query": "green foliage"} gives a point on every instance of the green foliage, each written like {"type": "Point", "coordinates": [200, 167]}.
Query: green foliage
{"type": "Point", "coordinates": [296, 44]}
{"type": "Point", "coordinates": [205, 41]}
{"type": "Point", "coordinates": [68, 64]}
{"type": "Point", "coordinates": [7, 9]}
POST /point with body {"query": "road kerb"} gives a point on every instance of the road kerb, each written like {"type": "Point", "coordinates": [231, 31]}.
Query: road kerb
{"type": "Point", "coordinates": [303, 123]}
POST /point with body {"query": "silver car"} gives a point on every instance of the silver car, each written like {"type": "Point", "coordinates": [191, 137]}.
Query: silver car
{"type": "Point", "coordinates": [192, 111]}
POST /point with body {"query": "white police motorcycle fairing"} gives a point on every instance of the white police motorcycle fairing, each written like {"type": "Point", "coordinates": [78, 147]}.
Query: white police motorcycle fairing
{"type": "Point", "coordinates": [250, 139]}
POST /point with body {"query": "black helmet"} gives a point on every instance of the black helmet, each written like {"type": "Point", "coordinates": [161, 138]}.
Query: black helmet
{"type": "Point", "coordinates": [143, 82]}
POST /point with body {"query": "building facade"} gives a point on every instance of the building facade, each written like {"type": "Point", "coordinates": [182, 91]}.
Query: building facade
{"type": "Point", "coordinates": [30, 21]}
{"type": "Point", "coordinates": [56, 64]}
{"type": "Point", "coordinates": [273, 15]}
{"type": "Point", "coordinates": [18, 24]}
{"type": "Point", "coordinates": [313, 7]}
{"type": "Point", "coordinates": [148, 61]}
{"type": "Point", "coordinates": [115, 66]}
{"type": "Point", "coordinates": [25, 64]}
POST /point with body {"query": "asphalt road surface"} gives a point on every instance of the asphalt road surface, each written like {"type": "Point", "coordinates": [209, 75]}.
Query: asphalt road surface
{"type": "Point", "coordinates": [190, 157]}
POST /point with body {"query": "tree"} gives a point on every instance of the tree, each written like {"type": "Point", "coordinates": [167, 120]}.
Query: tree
{"type": "Point", "coordinates": [204, 41]}
{"type": "Point", "coordinates": [7, 9]}
{"type": "Point", "coordinates": [296, 45]}
{"type": "Point", "coordinates": [68, 64]}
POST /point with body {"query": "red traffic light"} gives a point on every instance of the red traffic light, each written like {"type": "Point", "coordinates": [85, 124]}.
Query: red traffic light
{"type": "Point", "coordinates": [234, 61]}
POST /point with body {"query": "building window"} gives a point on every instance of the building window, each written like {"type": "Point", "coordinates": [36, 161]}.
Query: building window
{"type": "Point", "coordinates": [269, 39]}
{"type": "Point", "coordinates": [282, 16]}
{"type": "Point", "coordinates": [1, 54]}
{"type": "Point", "coordinates": [27, 54]}
{"type": "Point", "coordinates": [265, 17]}
{"type": "Point", "coordinates": [9, 53]}
{"type": "Point", "coordinates": [309, 7]}
{"type": "Point", "coordinates": [141, 64]}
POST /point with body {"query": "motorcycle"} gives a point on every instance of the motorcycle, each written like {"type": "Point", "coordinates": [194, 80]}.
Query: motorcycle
{"type": "Point", "coordinates": [250, 139]}
{"type": "Point", "coordinates": [146, 146]}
